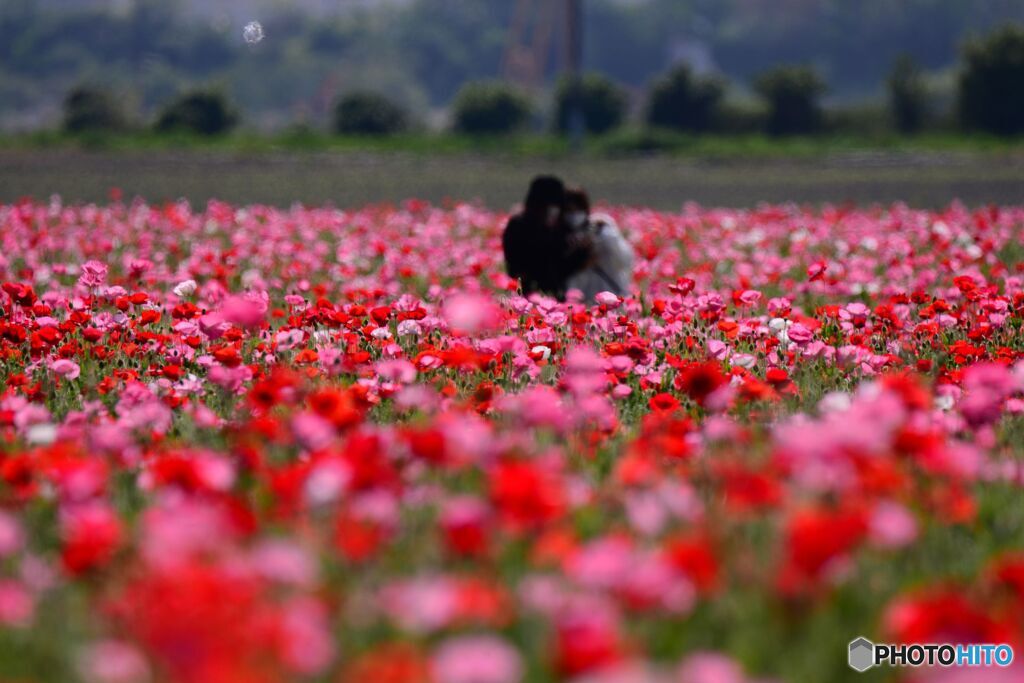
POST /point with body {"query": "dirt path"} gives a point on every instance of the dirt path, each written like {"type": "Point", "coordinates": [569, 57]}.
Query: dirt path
{"type": "Point", "coordinates": [349, 179]}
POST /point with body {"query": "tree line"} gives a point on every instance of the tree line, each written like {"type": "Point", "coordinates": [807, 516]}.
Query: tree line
{"type": "Point", "coordinates": [421, 52]}
{"type": "Point", "coordinates": [989, 99]}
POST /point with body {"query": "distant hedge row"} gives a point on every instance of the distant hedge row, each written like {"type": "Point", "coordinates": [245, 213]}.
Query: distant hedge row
{"type": "Point", "coordinates": [990, 99]}
{"type": "Point", "coordinates": [91, 109]}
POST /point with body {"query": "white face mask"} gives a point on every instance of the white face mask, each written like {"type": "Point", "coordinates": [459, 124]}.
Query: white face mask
{"type": "Point", "coordinates": [576, 219]}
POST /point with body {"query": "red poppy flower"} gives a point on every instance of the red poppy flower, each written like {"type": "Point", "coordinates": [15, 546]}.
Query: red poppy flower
{"type": "Point", "coordinates": [816, 537]}
{"type": "Point", "coordinates": [695, 557]}
{"type": "Point", "coordinates": [682, 286]}
{"type": "Point", "coordinates": [149, 316]}
{"type": "Point", "coordinates": [201, 624]}
{"type": "Point", "coordinates": [747, 490]}
{"type": "Point", "coordinates": [358, 539]}
{"type": "Point", "coordinates": [700, 381]}
{"type": "Point", "coordinates": [380, 315]}
{"type": "Point", "coordinates": [524, 495]}
{"type": "Point", "coordinates": [816, 271]}
{"type": "Point", "coordinates": [389, 663]}
{"type": "Point", "coordinates": [943, 615]}
{"type": "Point", "coordinates": [585, 644]}
{"type": "Point", "coordinates": [91, 535]}
{"type": "Point", "coordinates": [663, 402]}
{"type": "Point", "coordinates": [227, 356]}
{"type": "Point", "coordinates": [427, 444]}
{"type": "Point", "coordinates": [16, 334]}
{"type": "Point", "coordinates": [20, 293]}
{"type": "Point", "coordinates": [1009, 571]}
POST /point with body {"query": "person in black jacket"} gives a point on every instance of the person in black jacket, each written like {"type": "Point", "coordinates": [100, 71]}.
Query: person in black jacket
{"type": "Point", "coordinates": [540, 250]}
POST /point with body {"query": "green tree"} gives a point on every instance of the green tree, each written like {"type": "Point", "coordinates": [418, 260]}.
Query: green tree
{"type": "Point", "coordinates": [445, 44]}
{"type": "Point", "coordinates": [490, 108]}
{"type": "Point", "coordinates": [792, 94]}
{"type": "Point", "coordinates": [602, 102]}
{"type": "Point", "coordinates": [200, 112]}
{"type": "Point", "coordinates": [368, 113]}
{"type": "Point", "coordinates": [908, 96]}
{"type": "Point", "coordinates": [681, 101]}
{"type": "Point", "coordinates": [89, 109]}
{"type": "Point", "coordinates": [991, 96]}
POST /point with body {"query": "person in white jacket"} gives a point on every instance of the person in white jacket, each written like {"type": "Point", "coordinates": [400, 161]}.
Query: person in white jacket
{"type": "Point", "coordinates": [611, 268]}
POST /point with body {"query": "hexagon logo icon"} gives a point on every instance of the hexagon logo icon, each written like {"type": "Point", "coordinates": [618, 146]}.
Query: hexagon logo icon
{"type": "Point", "coordinates": [862, 654]}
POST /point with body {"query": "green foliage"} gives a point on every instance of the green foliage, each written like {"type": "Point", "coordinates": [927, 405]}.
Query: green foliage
{"type": "Point", "coordinates": [443, 45]}
{"type": "Point", "coordinates": [792, 94]}
{"type": "Point", "coordinates": [739, 118]}
{"type": "Point", "coordinates": [490, 108]}
{"type": "Point", "coordinates": [991, 96]}
{"type": "Point", "coordinates": [425, 50]}
{"type": "Point", "coordinates": [871, 120]}
{"type": "Point", "coordinates": [681, 101]}
{"type": "Point", "coordinates": [329, 39]}
{"type": "Point", "coordinates": [368, 113]}
{"type": "Point", "coordinates": [88, 110]}
{"type": "Point", "coordinates": [602, 102]}
{"type": "Point", "coordinates": [200, 112]}
{"type": "Point", "coordinates": [908, 96]}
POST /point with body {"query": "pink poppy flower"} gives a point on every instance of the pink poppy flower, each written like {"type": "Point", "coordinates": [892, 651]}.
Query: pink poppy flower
{"type": "Point", "coordinates": [750, 297]}
{"type": "Point", "coordinates": [477, 659]}
{"type": "Point", "coordinates": [308, 644]}
{"type": "Point", "coordinates": [709, 667]}
{"type": "Point", "coordinates": [400, 371]}
{"type": "Point", "coordinates": [472, 313]}
{"type": "Point", "coordinates": [621, 391]}
{"type": "Point", "coordinates": [243, 311]}
{"type": "Point", "coordinates": [113, 661]}
{"type": "Point", "coordinates": [94, 274]}
{"type": "Point", "coordinates": [11, 536]}
{"type": "Point", "coordinates": [231, 379]}
{"type": "Point", "coordinates": [312, 431]}
{"type": "Point", "coordinates": [717, 349]}
{"type": "Point", "coordinates": [213, 325]}
{"type": "Point", "coordinates": [285, 562]}
{"type": "Point", "coordinates": [17, 606]}
{"type": "Point", "coordinates": [799, 334]}
{"type": "Point", "coordinates": [68, 369]}
{"type": "Point", "coordinates": [892, 525]}
{"type": "Point", "coordinates": [422, 604]}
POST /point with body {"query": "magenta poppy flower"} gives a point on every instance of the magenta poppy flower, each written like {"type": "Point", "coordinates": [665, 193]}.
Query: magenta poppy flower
{"type": "Point", "coordinates": [65, 368]}
{"type": "Point", "coordinates": [477, 659]}
{"type": "Point", "coordinates": [94, 274]}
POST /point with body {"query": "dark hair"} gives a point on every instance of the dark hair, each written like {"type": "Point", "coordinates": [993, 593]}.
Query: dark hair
{"type": "Point", "coordinates": [545, 191]}
{"type": "Point", "coordinates": [577, 196]}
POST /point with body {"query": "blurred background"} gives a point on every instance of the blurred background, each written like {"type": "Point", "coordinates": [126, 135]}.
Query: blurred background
{"type": "Point", "coordinates": [871, 92]}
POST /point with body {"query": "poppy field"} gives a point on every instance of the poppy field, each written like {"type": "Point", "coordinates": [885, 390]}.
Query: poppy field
{"type": "Point", "coordinates": [241, 444]}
